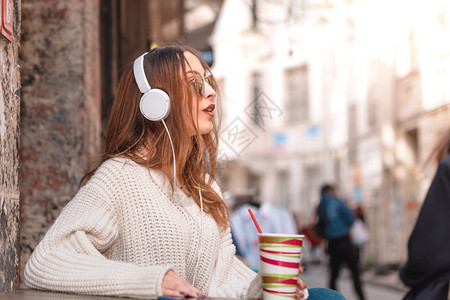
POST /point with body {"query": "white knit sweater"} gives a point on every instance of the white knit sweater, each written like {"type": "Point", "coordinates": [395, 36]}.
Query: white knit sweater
{"type": "Point", "coordinates": [125, 229]}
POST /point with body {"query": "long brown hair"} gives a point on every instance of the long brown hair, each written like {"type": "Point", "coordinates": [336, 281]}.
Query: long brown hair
{"type": "Point", "coordinates": [128, 130]}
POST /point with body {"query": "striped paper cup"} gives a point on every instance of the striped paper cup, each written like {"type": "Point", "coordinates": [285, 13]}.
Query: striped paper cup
{"type": "Point", "coordinates": [280, 259]}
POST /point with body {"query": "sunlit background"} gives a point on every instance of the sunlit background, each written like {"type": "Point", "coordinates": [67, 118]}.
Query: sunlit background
{"type": "Point", "coordinates": [349, 92]}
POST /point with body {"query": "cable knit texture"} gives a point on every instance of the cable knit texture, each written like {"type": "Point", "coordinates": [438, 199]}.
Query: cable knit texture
{"type": "Point", "coordinates": [125, 229]}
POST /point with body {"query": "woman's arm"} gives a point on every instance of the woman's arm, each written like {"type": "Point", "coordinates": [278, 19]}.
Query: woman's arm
{"type": "Point", "coordinates": [70, 259]}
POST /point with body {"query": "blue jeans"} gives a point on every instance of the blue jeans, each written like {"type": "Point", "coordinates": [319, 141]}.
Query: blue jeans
{"type": "Point", "coordinates": [324, 294]}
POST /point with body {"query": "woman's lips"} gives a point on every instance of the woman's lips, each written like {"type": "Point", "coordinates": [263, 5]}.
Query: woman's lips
{"type": "Point", "coordinates": [209, 110]}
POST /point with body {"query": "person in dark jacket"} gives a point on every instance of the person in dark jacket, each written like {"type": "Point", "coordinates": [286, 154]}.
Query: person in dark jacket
{"type": "Point", "coordinates": [337, 219]}
{"type": "Point", "coordinates": [427, 270]}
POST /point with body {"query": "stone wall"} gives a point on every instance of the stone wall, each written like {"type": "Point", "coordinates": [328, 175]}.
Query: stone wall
{"type": "Point", "coordinates": [61, 118]}
{"type": "Point", "coordinates": [9, 163]}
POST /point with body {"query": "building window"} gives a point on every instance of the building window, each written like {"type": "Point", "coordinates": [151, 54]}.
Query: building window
{"type": "Point", "coordinates": [372, 108]}
{"type": "Point", "coordinates": [254, 181]}
{"type": "Point", "coordinates": [311, 187]}
{"type": "Point", "coordinates": [352, 134]}
{"type": "Point", "coordinates": [296, 10]}
{"type": "Point", "coordinates": [257, 89]}
{"type": "Point", "coordinates": [297, 102]}
{"type": "Point", "coordinates": [283, 189]}
{"type": "Point", "coordinates": [373, 92]}
{"type": "Point", "coordinates": [407, 57]}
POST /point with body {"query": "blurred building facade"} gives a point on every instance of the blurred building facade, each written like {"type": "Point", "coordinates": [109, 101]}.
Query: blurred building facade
{"type": "Point", "coordinates": [349, 92]}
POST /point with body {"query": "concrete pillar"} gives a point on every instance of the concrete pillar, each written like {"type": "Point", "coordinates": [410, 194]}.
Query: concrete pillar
{"type": "Point", "coordinates": [9, 159]}
{"type": "Point", "coordinates": [61, 119]}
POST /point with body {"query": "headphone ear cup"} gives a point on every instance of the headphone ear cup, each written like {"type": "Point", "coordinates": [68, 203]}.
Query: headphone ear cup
{"type": "Point", "coordinates": [155, 105]}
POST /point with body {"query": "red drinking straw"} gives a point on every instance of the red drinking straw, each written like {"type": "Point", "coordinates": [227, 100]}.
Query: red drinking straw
{"type": "Point", "coordinates": [254, 220]}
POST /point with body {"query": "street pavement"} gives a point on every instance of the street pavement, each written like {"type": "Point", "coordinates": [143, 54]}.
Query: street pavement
{"type": "Point", "coordinates": [376, 287]}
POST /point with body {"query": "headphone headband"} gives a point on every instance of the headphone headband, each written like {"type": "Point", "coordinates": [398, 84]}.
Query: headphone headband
{"type": "Point", "coordinates": [139, 74]}
{"type": "Point", "coordinates": [155, 103]}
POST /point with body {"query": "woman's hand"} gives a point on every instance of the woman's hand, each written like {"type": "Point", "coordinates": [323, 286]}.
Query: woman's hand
{"type": "Point", "coordinates": [302, 292]}
{"type": "Point", "coordinates": [175, 286]}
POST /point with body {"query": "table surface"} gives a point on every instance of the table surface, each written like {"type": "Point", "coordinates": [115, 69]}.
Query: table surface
{"type": "Point", "coordinates": [28, 294]}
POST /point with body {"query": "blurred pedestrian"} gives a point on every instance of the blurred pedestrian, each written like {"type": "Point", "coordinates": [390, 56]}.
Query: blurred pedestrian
{"type": "Point", "coordinates": [337, 219]}
{"type": "Point", "coordinates": [427, 270]}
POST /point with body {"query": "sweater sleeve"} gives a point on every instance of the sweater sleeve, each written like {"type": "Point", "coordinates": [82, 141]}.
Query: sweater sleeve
{"type": "Point", "coordinates": [232, 278]}
{"type": "Point", "coordinates": [70, 259]}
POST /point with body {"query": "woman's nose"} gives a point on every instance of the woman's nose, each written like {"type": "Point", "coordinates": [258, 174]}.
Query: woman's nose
{"type": "Point", "coordinates": [209, 91]}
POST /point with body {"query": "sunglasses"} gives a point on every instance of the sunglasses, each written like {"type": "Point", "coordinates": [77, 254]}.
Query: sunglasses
{"type": "Point", "coordinates": [199, 83]}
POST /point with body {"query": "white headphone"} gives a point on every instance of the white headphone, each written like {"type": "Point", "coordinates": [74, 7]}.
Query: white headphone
{"type": "Point", "coordinates": [155, 103]}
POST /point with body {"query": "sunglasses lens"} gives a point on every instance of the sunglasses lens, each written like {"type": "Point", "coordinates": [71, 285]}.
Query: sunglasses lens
{"type": "Point", "coordinates": [210, 80]}
{"type": "Point", "coordinates": [199, 84]}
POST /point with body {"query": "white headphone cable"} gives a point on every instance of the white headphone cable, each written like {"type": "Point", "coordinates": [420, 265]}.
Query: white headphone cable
{"type": "Point", "coordinates": [201, 202]}
{"type": "Point", "coordinates": [200, 238]}
{"type": "Point", "coordinates": [173, 155]}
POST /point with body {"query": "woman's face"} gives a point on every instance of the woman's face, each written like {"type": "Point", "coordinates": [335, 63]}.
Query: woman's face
{"type": "Point", "coordinates": [203, 92]}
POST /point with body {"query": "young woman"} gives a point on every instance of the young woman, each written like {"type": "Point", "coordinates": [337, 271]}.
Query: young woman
{"type": "Point", "coordinates": [149, 219]}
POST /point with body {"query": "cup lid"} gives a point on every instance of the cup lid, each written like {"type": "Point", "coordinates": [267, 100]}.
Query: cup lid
{"type": "Point", "coordinates": [282, 235]}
